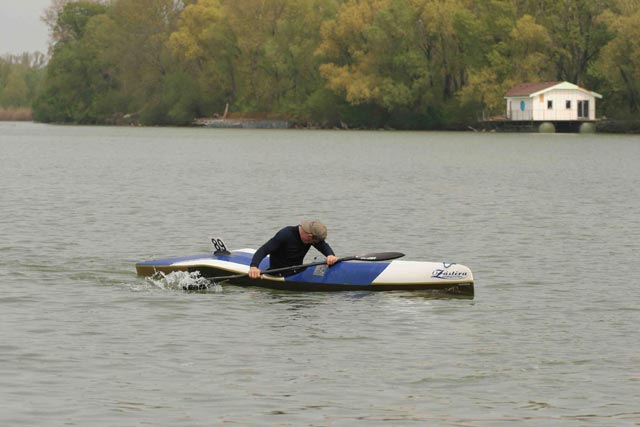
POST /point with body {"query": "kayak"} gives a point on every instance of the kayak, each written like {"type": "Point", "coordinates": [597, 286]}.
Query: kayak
{"type": "Point", "coordinates": [349, 274]}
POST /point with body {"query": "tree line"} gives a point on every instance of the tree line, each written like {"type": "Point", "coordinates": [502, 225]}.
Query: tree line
{"type": "Point", "coordinates": [418, 64]}
{"type": "Point", "coordinates": [20, 80]}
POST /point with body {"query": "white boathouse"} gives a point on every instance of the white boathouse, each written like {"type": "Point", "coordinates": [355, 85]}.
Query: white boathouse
{"type": "Point", "coordinates": [551, 102]}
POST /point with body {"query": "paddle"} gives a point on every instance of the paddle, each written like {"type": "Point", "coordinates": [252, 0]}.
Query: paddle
{"type": "Point", "coordinates": [378, 256]}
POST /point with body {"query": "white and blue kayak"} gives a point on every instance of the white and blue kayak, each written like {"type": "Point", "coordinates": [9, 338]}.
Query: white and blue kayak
{"type": "Point", "coordinates": [371, 272]}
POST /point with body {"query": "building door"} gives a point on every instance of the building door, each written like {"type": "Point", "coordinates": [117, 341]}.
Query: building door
{"type": "Point", "coordinates": [583, 109]}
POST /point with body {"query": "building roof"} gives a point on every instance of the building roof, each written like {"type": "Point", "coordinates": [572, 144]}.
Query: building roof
{"type": "Point", "coordinates": [534, 89]}
{"type": "Point", "coordinates": [526, 89]}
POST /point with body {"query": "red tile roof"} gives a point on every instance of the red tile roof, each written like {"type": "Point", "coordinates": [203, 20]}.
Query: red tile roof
{"type": "Point", "coordinates": [526, 89]}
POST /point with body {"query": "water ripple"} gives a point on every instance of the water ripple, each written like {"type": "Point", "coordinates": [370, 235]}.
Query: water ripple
{"type": "Point", "coordinates": [549, 338]}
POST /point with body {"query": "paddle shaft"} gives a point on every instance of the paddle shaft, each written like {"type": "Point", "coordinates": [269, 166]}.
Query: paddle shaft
{"type": "Point", "coordinates": [380, 256]}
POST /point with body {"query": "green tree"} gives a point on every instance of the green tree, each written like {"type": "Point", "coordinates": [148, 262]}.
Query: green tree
{"type": "Point", "coordinates": [204, 46]}
{"type": "Point", "coordinates": [20, 77]}
{"type": "Point", "coordinates": [524, 56]}
{"type": "Point", "coordinates": [74, 79]}
{"type": "Point", "coordinates": [407, 57]}
{"type": "Point", "coordinates": [576, 31]}
{"type": "Point", "coordinates": [15, 92]}
{"type": "Point", "coordinates": [619, 62]}
{"type": "Point", "coordinates": [138, 46]}
{"type": "Point", "coordinates": [274, 40]}
{"type": "Point", "coordinates": [111, 62]}
{"type": "Point", "coordinates": [57, 31]}
{"type": "Point", "coordinates": [254, 55]}
{"type": "Point", "coordinates": [72, 21]}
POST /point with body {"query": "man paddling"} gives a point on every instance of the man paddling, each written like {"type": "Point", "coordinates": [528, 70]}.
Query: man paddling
{"type": "Point", "coordinates": [290, 245]}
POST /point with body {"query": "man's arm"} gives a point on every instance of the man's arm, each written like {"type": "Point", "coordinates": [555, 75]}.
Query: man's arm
{"type": "Point", "coordinates": [326, 250]}
{"type": "Point", "coordinates": [262, 252]}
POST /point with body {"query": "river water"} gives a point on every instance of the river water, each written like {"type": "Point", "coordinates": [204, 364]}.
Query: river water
{"type": "Point", "coordinates": [549, 225]}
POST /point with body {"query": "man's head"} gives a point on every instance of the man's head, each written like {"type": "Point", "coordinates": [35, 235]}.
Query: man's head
{"type": "Point", "coordinates": [313, 231]}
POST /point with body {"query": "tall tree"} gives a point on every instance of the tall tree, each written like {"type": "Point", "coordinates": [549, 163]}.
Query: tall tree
{"type": "Point", "coordinates": [404, 56]}
{"type": "Point", "coordinates": [204, 45]}
{"type": "Point", "coordinates": [619, 62]}
{"type": "Point", "coordinates": [58, 31]}
{"type": "Point", "coordinates": [20, 77]}
{"type": "Point", "coordinates": [274, 41]}
{"type": "Point", "coordinates": [74, 74]}
{"type": "Point", "coordinates": [138, 46]}
{"type": "Point", "coordinates": [252, 54]}
{"type": "Point", "coordinates": [577, 33]}
{"type": "Point", "coordinates": [15, 92]}
{"type": "Point", "coordinates": [524, 56]}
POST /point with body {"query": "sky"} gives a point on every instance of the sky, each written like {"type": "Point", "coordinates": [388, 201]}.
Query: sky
{"type": "Point", "coordinates": [21, 29]}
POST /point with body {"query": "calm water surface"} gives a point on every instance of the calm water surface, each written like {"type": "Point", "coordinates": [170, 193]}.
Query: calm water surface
{"type": "Point", "coordinates": [549, 224]}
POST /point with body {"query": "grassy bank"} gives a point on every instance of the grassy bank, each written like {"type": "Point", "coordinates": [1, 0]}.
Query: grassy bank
{"type": "Point", "coordinates": [20, 114]}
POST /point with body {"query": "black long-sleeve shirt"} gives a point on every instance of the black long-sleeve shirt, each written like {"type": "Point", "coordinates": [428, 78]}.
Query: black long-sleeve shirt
{"type": "Point", "coordinates": [286, 249]}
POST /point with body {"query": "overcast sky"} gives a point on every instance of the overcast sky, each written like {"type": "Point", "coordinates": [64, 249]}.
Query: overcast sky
{"type": "Point", "coordinates": [21, 29]}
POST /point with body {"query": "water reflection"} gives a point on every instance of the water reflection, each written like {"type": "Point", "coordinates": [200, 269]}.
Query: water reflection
{"type": "Point", "coordinates": [300, 300]}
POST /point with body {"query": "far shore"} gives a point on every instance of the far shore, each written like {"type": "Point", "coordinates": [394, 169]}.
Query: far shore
{"type": "Point", "coordinates": [603, 126]}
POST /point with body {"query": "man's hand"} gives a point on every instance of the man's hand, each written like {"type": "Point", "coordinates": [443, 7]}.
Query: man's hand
{"type": "Point", "coordinates": [332, 259]}
{"type": "Point", "coordinates": [254, 273]}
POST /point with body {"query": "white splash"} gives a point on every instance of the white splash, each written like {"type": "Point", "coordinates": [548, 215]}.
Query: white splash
{"type": "Point", "coordinates": [183, 280]}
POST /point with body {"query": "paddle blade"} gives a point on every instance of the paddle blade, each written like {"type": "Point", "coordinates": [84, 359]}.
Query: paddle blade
{"type": "Point", "coordinates": [379, 256]}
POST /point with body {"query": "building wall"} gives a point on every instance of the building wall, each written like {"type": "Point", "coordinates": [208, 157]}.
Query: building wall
{"type": "Point", "coordinates": [520, 108]}
{"type": "Point", "coordinates": [537, 108]}
{"type": "Point", "coordinates": [560, 111]}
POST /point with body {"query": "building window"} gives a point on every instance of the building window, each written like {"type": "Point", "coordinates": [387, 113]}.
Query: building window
{"type": "Point", "coordinates": [568, 105]}
{"type": "Point", "coordinates": [549, 105]}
